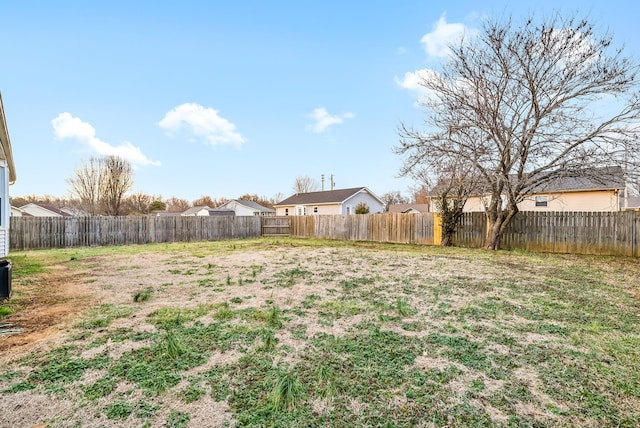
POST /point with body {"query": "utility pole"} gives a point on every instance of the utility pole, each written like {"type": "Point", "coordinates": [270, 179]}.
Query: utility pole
{"type": "Point", "coordinates": [322, 180]}
{"type": "Point", "coordinates": [333, 183]}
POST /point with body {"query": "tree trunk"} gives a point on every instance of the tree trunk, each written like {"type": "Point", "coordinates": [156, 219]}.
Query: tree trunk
{"type": "Point", "coordinates": [497, 227]}
{"type": "Point", "coordinates": [446, 240]}
{"type": "Point", "coordinates": [492, 240]}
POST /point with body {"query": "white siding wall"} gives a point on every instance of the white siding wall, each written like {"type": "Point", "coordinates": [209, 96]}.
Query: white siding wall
{"type": "Point", "coordinates": [5, 209]}
{"type": "Point", "coordinates": [242, 210]}
{"type": "Point", "coordinates": [238, 208]}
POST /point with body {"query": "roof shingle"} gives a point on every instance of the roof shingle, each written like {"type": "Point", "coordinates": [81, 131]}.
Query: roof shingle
{"type": "Point", "coordinates": [322, 197]}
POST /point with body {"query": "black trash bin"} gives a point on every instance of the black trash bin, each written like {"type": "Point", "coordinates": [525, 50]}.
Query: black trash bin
{"type": "Point", "coordinates": [5, 279]}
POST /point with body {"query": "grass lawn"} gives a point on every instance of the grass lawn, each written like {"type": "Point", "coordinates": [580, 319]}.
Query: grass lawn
{"type": "Point", "coordinates": [295, 332]}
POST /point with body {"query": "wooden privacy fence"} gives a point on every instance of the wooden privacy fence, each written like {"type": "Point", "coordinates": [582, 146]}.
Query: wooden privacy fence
{"type": "Point", "coordinates": [402, 228]}
{"type": "Point", "coordinates": [607, 233]}
{"type": "Point", "coordinates": [613, 233]}
{"type": "Point", "coordinates": [59, 232]}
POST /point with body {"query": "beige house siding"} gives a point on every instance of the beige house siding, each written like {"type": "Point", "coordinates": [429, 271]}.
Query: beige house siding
{"type": "Point", "coordinates": [603, 200]}
{"type": "Point", "coordinates": [597, 200]}
{"type": "Point", "coordinates": [322, 209]}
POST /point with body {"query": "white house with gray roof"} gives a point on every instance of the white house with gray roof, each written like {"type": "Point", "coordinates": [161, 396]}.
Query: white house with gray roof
{"type": "Point", "coordinates": [197, 211]}
{"type": "Point", "coordinates": [246, 208]}
{"type": "Point", "coordinates": [43, 210]}
{"type": "Point", "coordinates": [328, 202]}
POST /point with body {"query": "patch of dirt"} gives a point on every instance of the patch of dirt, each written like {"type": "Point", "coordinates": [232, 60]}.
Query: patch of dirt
{"type": "Point", "coordinates": [333, 291]}
{"type": "Point", "coordinates": [48, 304]}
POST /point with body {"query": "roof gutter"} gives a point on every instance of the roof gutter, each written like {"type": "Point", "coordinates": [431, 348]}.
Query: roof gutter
{"type": "Point", "coordinates": [5, 145]}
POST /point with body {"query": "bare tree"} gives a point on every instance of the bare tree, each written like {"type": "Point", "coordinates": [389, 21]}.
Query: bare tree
{"type": "Point", "coordinates": [420, 194]}
{"type": "Point", "coordinates": [117, 180]}
{"type": "Point", "coordinates": [101, 183]}
{"type": "Point", "coordinates": [86, 185]}
{"type": "Point", "coordinates": [305, 184]}
{"type": "Point", "coordinates": [177, 204]}
{"type": "Point", "coordinates": [204, 201]}
{"type": "Point", "coordinates": [393, 197]}
{"type": "Point", "coordinates": [276, 198]}
{"type": "Point", "coordinates": [138, 203]}
{"type": "Point", "coordinates": [520, 105]}
{"type": "Point", "coordinates": [454, 183]}
{"type": "Point", "coordinates": [54, 201]}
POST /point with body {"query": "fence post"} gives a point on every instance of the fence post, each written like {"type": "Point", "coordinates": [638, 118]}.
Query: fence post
{"type": "Point", "coordinates": [437, 228]}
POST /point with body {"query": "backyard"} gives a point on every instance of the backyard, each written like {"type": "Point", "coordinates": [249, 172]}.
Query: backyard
{"type": "Point", "coordinates": [305, 332]}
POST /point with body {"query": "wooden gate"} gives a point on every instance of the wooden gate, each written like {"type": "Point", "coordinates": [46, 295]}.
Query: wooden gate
{"type": "Point", "coordinates": [275, 226]}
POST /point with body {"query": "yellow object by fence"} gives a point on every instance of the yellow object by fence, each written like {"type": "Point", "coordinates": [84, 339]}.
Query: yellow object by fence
{"type": "Point", "coordinates": [437, 228]}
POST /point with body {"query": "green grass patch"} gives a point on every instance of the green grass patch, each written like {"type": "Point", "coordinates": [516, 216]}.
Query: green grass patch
{"type": "Point", "coordinates": [168, 316]}
{"type": "Point", "coordinates": [4, 311]}
{"type": "Point", "coordinates": [144, 295]}
{"type": "Point", "coordinates": [193, 392]}
{"type": "Point", "coordinates": [178, 419]}
{"type": "Point", "coordinates": [26, 265]}
{"type": "Point", "coordinates": [289, 277]}
{"type": "Point", "coordinates": [103, 315]}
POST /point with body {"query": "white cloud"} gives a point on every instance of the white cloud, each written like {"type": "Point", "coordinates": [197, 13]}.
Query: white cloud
{"type": "Point", "coordinates": [436, 43]}
{"type": "Point", "coordinates": [411, 81]}
{"type": "Point", "coordinates": [202, 122]}
{"type": "Point", "coordinates": [66, 126]}
{"type": "Point", "coordinates": [323, 120]}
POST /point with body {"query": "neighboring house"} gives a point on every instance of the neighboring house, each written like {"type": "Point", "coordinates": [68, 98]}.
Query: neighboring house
{"type": "Point", "coordinates": [219, 211]}
{"type": "Point", "coordinates": [340, 201]}
{"type": "Point", "coordinates": [165, 213]}
{"type": "Point", "coordinates": [75, 212]}
{"type": "Point", "coordinates": [585, 193]}
{"type": "Point", "coordinates": [197, 211]}
{"type": "Point", "coordinates": [243, 208]}
{"type": "Point", "coordinates": [17, 212]}
{"type": "Point", "coordinates": [7, 177]}
{"type": "Point", "coordinates": [408, 208]}
{"type": "Point", "coordinates": [633, 203]}
{"type": "Point", "coordinates": [43, 210]}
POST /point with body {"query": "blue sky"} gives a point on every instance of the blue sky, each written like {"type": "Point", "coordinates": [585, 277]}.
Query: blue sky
{"type": "Point", "coordinates": [223, 98]}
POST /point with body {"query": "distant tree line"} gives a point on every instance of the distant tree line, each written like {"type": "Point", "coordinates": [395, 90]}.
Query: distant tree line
{"type": "Point", "coordinates": [102, 186]}
{"type": "Point", "coordinates": [140, 203]}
